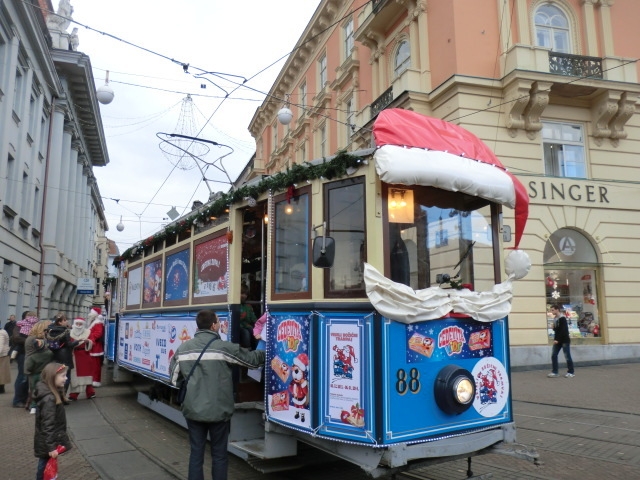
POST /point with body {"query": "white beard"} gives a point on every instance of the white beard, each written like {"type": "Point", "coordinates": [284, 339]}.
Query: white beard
{"type": "Point", "coordinates": [80, 333]}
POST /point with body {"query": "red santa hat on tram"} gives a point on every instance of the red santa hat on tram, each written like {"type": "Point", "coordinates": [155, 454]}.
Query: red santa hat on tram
{"type": "Point", "coordinates": [302, 361]}
{"type": "Point", "coordinates": [407, 141]}
{"type": "Point", "coordinates": [98, 310]}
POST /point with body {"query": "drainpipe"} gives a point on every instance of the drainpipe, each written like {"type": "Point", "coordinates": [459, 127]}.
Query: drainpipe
{"type": "Point", "coordinates": [44, 203]}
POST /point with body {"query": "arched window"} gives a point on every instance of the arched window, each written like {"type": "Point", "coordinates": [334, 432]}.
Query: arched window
{"type": "Point", "coordinates": [571, 272]}
{"type": "Point", "coordinates": [403, 57]}
{"type": "Point", "coordinates": [552, 29]}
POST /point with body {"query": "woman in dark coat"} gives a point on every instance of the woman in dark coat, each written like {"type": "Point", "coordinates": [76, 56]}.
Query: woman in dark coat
{"type": "Point", "coordinates": [59, 341]}
{"type": "Point", "coordinates": [51, 422]}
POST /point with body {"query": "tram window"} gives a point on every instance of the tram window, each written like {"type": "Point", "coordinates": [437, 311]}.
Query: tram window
{"type": "Point", "coordinates": [420, 251]}
{"type": "Point", "coordinates": [345, 214]}
{"type": "Point", "coordinates": [291, 246]}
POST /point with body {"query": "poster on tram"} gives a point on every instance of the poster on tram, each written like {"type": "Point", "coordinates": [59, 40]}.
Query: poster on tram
{"type": "Point", "coordinates": [345, 397]}
{"type": "Point", "coordinates": [210, 269]}
{"type": "Point", "coordinates": [287, 374]}
{"type": "Point", "coordinates": [147, 344]}
{"type": "Point", "coordinates": [176, 290]}
{"type": "Point", "coordinates": [134, 287]}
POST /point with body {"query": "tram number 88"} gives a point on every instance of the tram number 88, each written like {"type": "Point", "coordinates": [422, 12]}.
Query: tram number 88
{"type": "Point", "coordinates": [410, 383]}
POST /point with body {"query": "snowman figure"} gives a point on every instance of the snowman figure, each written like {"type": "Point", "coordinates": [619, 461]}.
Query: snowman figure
{"type": "Point", "coordinates": [299, 387]}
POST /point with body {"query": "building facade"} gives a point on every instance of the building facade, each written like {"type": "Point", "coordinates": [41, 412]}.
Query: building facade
{"type": "Point", "coordinates": [551, 86]}
{"type": "Point", "coordinates": [51, 137]}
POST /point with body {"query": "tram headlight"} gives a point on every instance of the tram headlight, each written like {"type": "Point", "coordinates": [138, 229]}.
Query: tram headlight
{"type": "Point", "coordinates": [454, 389]}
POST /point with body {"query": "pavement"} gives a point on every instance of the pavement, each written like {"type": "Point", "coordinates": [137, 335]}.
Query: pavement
{"type": "Point", "coordinates": [117, 439]}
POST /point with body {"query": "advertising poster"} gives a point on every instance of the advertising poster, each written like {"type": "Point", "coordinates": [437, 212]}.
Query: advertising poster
{"type": "Point", "coordinates": [439, 340]}
{"type": "Point", "coordinates": [152, 283]}
{"type": "Point", "coordinates": [177, 276]}
{"type": "Point", "coordinates": [287, 369]}
{"type": "Point", "coordinates": [345, 362]}
{"type": "Point", "coordinates": [134, 287]}
{"type": "Point", "coordinates": [210, 268]}
{"type": "Point", "coordinates": [147, 345]}
{"type": "Point", "coordinates": [417, 358]}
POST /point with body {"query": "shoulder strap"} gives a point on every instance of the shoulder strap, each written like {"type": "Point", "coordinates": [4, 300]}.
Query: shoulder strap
{"type": "Point", "coordinates": [199, 357]}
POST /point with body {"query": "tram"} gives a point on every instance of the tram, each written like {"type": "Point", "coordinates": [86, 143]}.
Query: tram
{"type": "Point", "coordinates": [380, 271]}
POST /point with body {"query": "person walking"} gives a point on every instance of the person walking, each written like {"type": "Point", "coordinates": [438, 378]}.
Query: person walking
{"type": "Point", "coordinates": [37, 356]}
{"type": "Point", "coordinates": [82, 374]}
{"type": "Point", "coordinates": [209, 404]}
{"type": "Point", "coordinates": [19, 336]}
{"type": "Point", "coordinates": [5, 371]}
{"type": "Point", "coordinates": [51, 422]}
{"type": "Point", "coordinates": [561, 341]}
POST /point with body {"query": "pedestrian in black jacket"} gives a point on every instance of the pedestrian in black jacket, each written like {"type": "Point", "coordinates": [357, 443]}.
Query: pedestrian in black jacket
{"type": "Point", "coordinates": [51, 420]}
{"type": "Point", "coordinates": [561, 340]}
{"type": "Point", "coordinates": [59, 341]}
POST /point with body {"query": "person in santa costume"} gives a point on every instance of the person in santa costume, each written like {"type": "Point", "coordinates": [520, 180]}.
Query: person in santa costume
{"type": "Point", "coordinates": [82, 374]}
{"type": "Point", "coordinates": [95, 321]}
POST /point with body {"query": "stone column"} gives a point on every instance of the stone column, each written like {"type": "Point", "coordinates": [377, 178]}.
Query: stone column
{"type": "Point", "coordinates": [523, 23]}
{"type": "Point", "coordinates": [63, 214]}
{"type": "Point", "coordinates": [52, 189]}
{"type": "Point", "coordinates": [85, 215]}
{"type": "Point", "coordinates": [423, 45]}
{"type": "Point", "coordinates": [77, 209]}
{"type": "Point", "coordinates": [72, 220]}
{"type": "Point", "coordinates": [607, 34]}
{"type": "Point", "coordinates": [591, 35]}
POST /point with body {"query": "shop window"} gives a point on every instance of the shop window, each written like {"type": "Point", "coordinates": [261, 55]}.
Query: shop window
{"type": "Point", "coordinates": [571, 273]}
{"type": "Point", "coordinates": [552, 29]}
{"type": "Point", "coordinates": [345, 214]}
{"type": "Point", "coordinates": [403, 58]}
{"type": "Point", "coordinates": [563, 146]}
{"type": "Point", "coordinates": [291, 245]}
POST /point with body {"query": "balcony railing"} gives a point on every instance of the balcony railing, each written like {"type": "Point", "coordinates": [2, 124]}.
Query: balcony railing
{"type": "Point", "coordinates": [575, 65]}
{"type": "Point", "coordinates": [381, 102]}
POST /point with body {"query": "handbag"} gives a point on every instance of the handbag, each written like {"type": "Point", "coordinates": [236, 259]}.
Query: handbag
{"type": "Point", "coordinates": [182, 388]}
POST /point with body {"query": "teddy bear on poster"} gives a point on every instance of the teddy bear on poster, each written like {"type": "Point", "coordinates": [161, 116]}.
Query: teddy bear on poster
{"type": "Point", "coordinates": [299, 387]}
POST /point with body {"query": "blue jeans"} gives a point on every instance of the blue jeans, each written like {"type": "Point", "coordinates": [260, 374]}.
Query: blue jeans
{"type": "Point", "coordinates": [566, 348]}
{"type": "Point", "coordinates": [42, 463]}
{"type": "Point", "coordinates": [219, 436]}
{"type": "Point", "coordinates": [21, 387]}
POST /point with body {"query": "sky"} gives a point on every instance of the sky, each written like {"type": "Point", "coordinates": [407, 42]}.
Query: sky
{"type": "Point", "coordinates": [145, 178]}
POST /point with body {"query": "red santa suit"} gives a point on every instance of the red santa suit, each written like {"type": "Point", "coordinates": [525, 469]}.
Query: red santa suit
{"type": "Point", "coordinates": [96, 335]}
{"type": "Point", "coordinates": [82, 373]}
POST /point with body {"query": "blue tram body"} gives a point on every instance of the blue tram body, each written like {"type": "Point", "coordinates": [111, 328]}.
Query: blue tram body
{"type": "Point", "coordinates": [381, 356]}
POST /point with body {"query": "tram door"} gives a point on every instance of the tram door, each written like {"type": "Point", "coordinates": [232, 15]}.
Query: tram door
{"type": "Point", "coordinates": [254, 256]}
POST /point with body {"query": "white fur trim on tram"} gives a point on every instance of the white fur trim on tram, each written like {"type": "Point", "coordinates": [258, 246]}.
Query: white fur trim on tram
{"type": "Point", "coordinates": [418, 166]}
{"type": "Point", "coordinates": [406, 305]}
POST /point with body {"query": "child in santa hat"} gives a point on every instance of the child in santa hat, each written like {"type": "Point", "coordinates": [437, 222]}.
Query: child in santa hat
{"type": "Point", "coordinates": [95, 322]}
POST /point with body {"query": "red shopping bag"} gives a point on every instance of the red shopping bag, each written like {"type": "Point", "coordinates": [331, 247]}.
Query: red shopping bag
{"type": "Point", "coordinates": [51, 469]}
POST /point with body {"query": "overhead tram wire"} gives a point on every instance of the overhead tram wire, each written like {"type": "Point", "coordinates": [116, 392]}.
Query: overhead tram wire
{"type": "Point", "coordinates": [187, 66]}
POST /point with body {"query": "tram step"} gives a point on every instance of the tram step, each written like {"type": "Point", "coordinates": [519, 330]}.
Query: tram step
{"type": "Point", "coordinates": [307, 456]}
{"type": "Point", "coordinates": [273, 445]}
